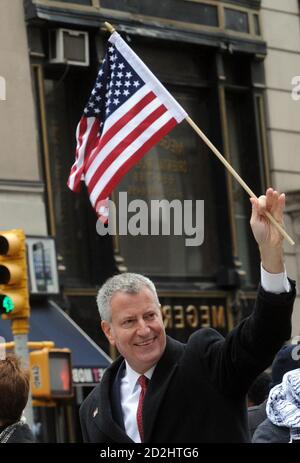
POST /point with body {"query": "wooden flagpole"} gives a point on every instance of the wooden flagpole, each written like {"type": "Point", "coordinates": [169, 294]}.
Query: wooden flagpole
{"type": "Point", "coordinates": [237, 177]}
{"type": "Point", "coordinates": [111, 29]}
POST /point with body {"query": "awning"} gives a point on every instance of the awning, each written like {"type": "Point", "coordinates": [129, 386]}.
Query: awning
{"type": "Point", "coordinates": [50, 323]}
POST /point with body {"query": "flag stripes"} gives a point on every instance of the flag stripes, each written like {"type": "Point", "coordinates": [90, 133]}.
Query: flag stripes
{"type": "Point", "coordinates": [135, 140]}
{"type": "Point", "coordinates": [128, 112]}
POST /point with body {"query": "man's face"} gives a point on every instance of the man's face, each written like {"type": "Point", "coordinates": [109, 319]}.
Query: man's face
{"type": "Point", "coordinates": [136, 329]}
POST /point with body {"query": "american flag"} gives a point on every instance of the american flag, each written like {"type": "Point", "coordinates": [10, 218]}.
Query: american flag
{"type": "Point", "coordinates": [127, 113]}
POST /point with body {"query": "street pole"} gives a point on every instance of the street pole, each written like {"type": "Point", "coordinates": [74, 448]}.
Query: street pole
{"type": "Point", "coordinates": [20, 329]}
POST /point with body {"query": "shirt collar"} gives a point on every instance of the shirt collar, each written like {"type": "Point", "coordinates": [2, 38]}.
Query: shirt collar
{"type": "Point", "coordinates": [132, 376]}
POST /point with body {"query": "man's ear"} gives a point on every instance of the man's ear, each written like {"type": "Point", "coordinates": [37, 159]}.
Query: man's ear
{"type": "Point", "coordinates": [106, 328]}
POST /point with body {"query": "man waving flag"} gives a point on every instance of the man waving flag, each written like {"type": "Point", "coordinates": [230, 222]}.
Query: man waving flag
{"type": "Point", "coordinates": [128, 112]}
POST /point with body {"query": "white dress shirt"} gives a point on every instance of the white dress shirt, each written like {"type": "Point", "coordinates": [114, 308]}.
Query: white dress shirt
{"type": "Point", "coordinates": [130, 388]}
{"type": "Point", "coordinates": [130, 394]}
{"type": "Point", "coordinates": [274, 282]}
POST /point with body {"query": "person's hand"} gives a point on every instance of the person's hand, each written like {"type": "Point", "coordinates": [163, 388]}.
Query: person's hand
{"type": "Point", "coordinates": [263, 230]}
{"type": "Point", "coordinates": [268, 238]}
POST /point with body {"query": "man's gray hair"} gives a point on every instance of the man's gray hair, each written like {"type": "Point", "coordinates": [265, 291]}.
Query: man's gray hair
{"type": "Point", "coordinates": [131, 283]}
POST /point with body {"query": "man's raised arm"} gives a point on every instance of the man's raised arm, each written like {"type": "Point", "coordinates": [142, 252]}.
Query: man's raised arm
{"type": "Point", "coordinates": [269, 240]}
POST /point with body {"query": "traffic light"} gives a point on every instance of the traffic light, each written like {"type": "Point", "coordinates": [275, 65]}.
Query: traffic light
{"type": "Point", "coordinates": [14, 298]}
{"type": "Point", "coordinates": [51, 373]}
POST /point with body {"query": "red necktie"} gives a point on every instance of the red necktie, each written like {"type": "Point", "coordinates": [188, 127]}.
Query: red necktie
{"type": "Point", "coordinates": [143, 382]}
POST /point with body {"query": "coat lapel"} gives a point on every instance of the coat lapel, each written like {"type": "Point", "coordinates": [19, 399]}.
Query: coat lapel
{"type": "Point", "coordinates": [103, 418]}
{"type": "Point", "coordinates": [115, 395]}
{"type": "Point", "coordinates": [158, 385]}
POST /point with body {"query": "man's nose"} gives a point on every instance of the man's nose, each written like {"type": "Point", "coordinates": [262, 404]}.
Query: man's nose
{"type": "Point", "coordinates": [143, 328]}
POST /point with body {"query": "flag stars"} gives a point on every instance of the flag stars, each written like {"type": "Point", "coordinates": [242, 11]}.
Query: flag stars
{"type": "Point", "coordinates": [117, 81]}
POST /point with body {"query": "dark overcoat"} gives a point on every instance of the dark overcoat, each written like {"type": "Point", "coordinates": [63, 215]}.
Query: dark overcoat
{"type": "Point", "coordinates": [197, 391]}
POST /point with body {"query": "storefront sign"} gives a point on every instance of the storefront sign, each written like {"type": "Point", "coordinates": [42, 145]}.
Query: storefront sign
{"type": "Point", "coordinates": [87, 376]}
{"type": "Point", "coordinates": [184, 315]}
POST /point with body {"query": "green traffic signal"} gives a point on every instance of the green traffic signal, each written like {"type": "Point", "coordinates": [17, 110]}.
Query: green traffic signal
{"type": "Point", "coordinates": [6, 304]}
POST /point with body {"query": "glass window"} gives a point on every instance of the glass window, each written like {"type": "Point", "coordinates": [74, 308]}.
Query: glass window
{"type": "Point", "coordinates": [244, 159]}
{"type": "Point", "coordinates": [256, 24]}
{"type": "Point", "coordinates": [82, 249]}
{"type": "Point", "coordinates": [179, 167]}
{"type": "Point", "coordinates": [78, 2]}
{"type": "Point", "coordinates": [179, 10]}
{"type": "Point", "coordinates": [236, 20]}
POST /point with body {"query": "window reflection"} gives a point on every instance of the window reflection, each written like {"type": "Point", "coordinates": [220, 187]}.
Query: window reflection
{"type": "Point", "coordinates": [178, 167]}
{"type": "Point", "coordinates": [236, 20]}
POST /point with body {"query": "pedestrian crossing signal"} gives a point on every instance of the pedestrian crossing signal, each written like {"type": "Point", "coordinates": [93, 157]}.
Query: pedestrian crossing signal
{"type": "Point", "coordinates": [51, 373]}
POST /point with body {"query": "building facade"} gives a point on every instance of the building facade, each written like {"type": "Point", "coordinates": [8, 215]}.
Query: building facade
{"type": "Point", "coordinates": [281, 30]}
{"type": "Point", "coordinates": [230, 65]}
